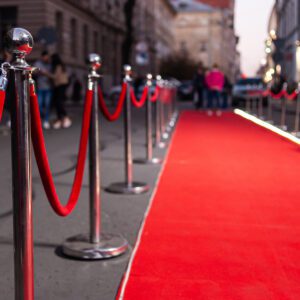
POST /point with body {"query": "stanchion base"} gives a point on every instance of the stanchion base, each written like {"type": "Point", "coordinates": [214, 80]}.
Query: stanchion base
{"type": "Point", "coordinates": [135, 188]}
{"type": "Point", "coordinates": [283, 127]}
{"type": "Point", "coordinates": [80, 247]}
{"type": "Point", "coordinates": [165, 135]}
{"type": "Point", "coordinates": [145, 161]}
{"type": "Point", "coordinates": [161, 145]}
{"type": "Point", "coordinates": [169, 128]}
{"type": "Point", "coordinates": [172, 123]}
{"type": "Point", "coordinates": [296, 134]}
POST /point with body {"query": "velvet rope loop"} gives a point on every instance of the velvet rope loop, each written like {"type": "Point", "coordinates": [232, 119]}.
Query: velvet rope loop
{"type": "Point", "coordinates": [277, 96]}
{"type": "Point", "coordinates": [112, 117]}
{"type": "Point", "coordinates": [292, 96]}
{"type": "Point", "coordinates": [139, 103]}
{"type": "Point", "coordinates": [2, 100]}
{"type": "Point", "coordinates": [42, 158]}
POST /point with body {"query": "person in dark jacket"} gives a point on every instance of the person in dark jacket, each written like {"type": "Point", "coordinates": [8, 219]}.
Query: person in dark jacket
{"type": "Point", "coordinates": [60, 81]}
{"type": "Point", "coordinates": [199, 86]}
{"type": "Point", "coordinates": [226, 94]}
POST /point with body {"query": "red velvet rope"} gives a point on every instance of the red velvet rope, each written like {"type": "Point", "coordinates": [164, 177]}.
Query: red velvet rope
{"type": "Point", "coordinates": [2, 99]}
{"type": "Point", "coordinates": [112, 117]}
{"type": "Point", "coordinates": [265, 93]}
{"type": "Point", "coordinates": [42, 159]}
{"type": "Point", "coordinates": [277, 96]}
{"type": "Point", "coordinates": [139, 103]}
{"type": "Point", "coordinates": [291, 96]}
{"type": "Point", "coordinates": [156, 94]}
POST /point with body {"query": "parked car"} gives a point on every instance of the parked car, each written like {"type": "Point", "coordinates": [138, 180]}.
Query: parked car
{"type": "Point", "coordinates": [186, 90]}
{"type": "Point", "coordinates": [245, 86]}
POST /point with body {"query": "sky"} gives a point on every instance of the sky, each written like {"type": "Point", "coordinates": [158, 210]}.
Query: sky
{"type": "Point", "coordinates": [252, 18]}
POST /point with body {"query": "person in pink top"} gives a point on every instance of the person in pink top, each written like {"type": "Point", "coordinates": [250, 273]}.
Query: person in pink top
{"type": "Point", "coordinates": [215, 80]}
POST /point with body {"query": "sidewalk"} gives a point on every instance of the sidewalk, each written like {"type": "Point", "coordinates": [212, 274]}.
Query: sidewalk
{"type": "Point", "coordinates": [55, 276]}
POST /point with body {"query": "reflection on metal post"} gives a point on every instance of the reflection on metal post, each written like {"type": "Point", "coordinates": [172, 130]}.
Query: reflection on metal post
{"type": "Point", "coordinates": [283, 114]}
{"type": "Point", "coordinates": [129, 186]}
{"type": "Point", "coordinates": [20, 43]}
{"type": "Point", "coordinates": [248, 104]}
{"type": "Point", "coordinates": [260, 107]}
{"type": "Point", "coordinates": [96, 245]}
{"type": "Point", "coordinates": [297, 116]}
{"type": "Point", "coordinates": [149, 142]}
{"type": "Point", "coordinates": [159, 118]}
{"type": "Point", "coordinates": [270, 108]}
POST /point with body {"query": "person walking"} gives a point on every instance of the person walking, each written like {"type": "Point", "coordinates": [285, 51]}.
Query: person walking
{"type": "Point", "coordinates": [60, 81]}
{"type": "Point", "coordinates": [226, 94]}
{"type": "Point", "coordinates": [44, 87]}
{"type": "Point", "coordinates": [200, 86]}
{"type": "Point", "coordinates": [215, 82]}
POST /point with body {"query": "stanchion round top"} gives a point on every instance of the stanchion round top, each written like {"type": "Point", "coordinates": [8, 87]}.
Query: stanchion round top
{"type": "Point", "coordinates": [127, 68]}
{"type": "Point", "coordinates": [19, 41]}
{"type": "Point", "coordinates": [94, 60]}
{"type": "Point", "coordinates": [149, 76]}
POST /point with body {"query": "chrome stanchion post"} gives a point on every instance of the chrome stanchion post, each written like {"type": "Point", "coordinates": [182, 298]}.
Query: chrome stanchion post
{"type": "Point", "coordinates": [248, 104]}
{"type": "Point", "coordinates": [129, 186]}
{"type": "Point", "coordinates": [297, 115]}
{"type": "Point", "coordinates": [158, 120]}
{"type": "Point", "coordinates": [173, 107]}
{"type": "Point", "coordinates": [270, 110]}
{"type": "Point", "coordinates": [169, 110]}
{"type": "Point", "coordinates": [163, 118]}
{"type": "Point", "coordinates": [283, 125]}
{"type": "Point", "coordinates": [20, 43]}
{"type": "Point", "coordinates": [254, 105]}
{"type": "Point", "coordinates": [149, 142]}
{"type": "Point", "coordinates": [96, 245]}
{"type": "Point", "coordinates": [260, 107]}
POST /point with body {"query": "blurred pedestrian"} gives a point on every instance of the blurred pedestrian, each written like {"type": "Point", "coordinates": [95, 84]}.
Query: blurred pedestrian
{"type": "Point", "coordinates": [200, 87]}
{"type": "Point", "coordinates": [215, 82]}
{"type": "Point", "coordinates": [60, 81]}
{"type": "Point", "coordinates": [44, 87]}
{"type": "Point", "coordinates": [76, 89]}
{"type": "Point", "coordinates": [226, 94]}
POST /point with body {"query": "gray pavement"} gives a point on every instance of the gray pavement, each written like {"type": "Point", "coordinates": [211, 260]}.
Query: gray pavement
{"type": "Point", "coordinates": [57, 277]}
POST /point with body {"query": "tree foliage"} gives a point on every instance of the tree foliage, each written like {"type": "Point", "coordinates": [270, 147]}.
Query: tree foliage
{"type": "Point", "coordinates": [178, 66]}
{"type": "Point", "coordinates": [129, 37]}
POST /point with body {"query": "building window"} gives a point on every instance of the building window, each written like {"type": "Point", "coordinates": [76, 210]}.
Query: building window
{"type": "Point", "coordinates": [74, 34]}
{"type": "Point", "coordinates": [85, 40]}
{"type": "Point", "coordinates": [203, 47]}
{"type": "Point", "coordinates": [59, 29]}
{"type": "Point", "coordinates": [8, 19]}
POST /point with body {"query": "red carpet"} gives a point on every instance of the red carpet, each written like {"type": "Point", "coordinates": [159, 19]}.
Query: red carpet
{"type": "Point", "coordinates": [225, 220]}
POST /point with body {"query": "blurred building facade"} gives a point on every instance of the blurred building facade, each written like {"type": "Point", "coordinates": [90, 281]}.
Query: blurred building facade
{"type": "Point", "coordinates": [74, 28]}
{"type": "Point", "coordinates": [153, 34]}
{"type": "Point", "coordinates": [285, 37]}
{"type": "Point", "coordinates": [206, 33]}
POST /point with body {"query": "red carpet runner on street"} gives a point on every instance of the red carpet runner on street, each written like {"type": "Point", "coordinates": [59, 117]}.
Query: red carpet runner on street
{"type": "Point", "coordinates": [225, 219]}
